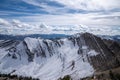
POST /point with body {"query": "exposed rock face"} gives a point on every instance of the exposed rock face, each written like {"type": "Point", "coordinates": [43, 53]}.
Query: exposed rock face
{"type": "Point", "coordinates": [79, 56]}
{"type": "Point", "coordinates": [109, 52]}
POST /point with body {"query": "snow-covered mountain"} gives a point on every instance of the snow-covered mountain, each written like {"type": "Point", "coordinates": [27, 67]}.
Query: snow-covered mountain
{"type": "Point", "coordinates": [79, 56]}
{"type": "Point", "coordinates": [16, 27]}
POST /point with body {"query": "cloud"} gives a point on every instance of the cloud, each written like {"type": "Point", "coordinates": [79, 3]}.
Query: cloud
{"type": "Point", "coordinates": [88, 12]}
{"type": "Point", "coordinates": [4, 22]}
{"type": "Point", "coordinates": [88, 5]}
{"type": "Point", "coordinates": [43, 5]}
{"type": "Point", "coordinates": [91, 5]}
{"type": "Point", "coordinates": [17, 27]}
{"type": "Point", "coordinates": [76, 6]}
{"type": "Point", "coordinates": [108, 17]}
{"type": "Point", "coordinates": [8, 14]}
{"type": "Point", "coordinates": [18, 24]}
{"type": "Point", "coordinates": [14, 23]}
{"type": "Point", "coordinates": [72, 19]}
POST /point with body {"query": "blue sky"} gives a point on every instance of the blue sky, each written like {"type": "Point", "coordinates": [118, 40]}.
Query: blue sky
{"type": "Point", "coordinates": [93, 12]}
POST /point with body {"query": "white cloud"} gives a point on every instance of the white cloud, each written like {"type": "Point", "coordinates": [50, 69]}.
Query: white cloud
{"type": "Point", "coordinates": [66, 19]}
{"type": "Point", "coordinates": [13, 24]}
{"type": "Point", "coordinates": [46, 7]}
{"type": "Point", "coordinates": [77, 18]}
{"type": "Point", "coordinates": [63, 17]}
{"type": "Point", "coordinates": [17, 27]}
{"type": "Point", "coordinates": [4, 22]}
{"type": "Point", "coordinates": [90, 4]}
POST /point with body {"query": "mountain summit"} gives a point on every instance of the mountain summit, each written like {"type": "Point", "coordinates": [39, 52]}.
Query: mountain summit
{"type": "Point", "coordinates": [79, 56]}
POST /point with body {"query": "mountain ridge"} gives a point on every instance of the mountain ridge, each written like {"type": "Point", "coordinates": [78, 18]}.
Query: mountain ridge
{"type": "Point", "coordinates": [79, 56]}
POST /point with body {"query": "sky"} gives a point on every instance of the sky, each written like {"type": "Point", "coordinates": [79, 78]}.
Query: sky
{"type": "Point", "coordinates": [62, 12]}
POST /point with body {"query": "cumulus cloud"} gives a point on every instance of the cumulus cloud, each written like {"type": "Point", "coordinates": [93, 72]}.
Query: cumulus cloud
{"type": "Point", "coordinates": [17, 28]}
{"type": "Point", "coordinates": [19, 24]}
{"type": "Point", "coordinates": [4, 22]}
{"type": "Point", "coordinates": [13, 24]}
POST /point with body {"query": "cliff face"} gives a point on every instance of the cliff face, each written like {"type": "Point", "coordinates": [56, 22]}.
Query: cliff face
{"type": "Point", "coordinates": [79, 56]}
{"type": "Point", "coordinates": [109, 52]}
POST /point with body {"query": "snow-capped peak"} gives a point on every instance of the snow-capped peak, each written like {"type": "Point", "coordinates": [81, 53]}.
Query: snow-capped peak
{"type": "Point", "coordinates": [79, 56]}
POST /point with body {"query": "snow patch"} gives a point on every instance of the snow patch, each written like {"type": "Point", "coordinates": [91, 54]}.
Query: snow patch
{"type": "Point", "coordinates": [92, 53]}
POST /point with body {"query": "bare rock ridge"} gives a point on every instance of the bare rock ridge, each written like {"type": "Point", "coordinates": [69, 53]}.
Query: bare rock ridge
{"type": "Point", "coordinates": [71, 54]}
{"type": "Point", "coordinates": [109, 52]}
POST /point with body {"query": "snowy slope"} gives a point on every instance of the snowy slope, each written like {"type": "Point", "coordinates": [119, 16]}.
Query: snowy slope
{"type": "Point", "coordinates": [46, 59]}
{"type": "Point", "coordinates": [78, 56]}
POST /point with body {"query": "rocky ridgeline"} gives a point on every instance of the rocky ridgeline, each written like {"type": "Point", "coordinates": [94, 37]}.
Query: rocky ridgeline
{"type": "Point", "coordinates": [105, 54]}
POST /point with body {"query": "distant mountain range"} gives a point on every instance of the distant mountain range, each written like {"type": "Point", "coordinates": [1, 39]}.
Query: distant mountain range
{"type": "Point", "coordinates": [50, 36]}
{"type": "Point", "coordinates": [21, 37]}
